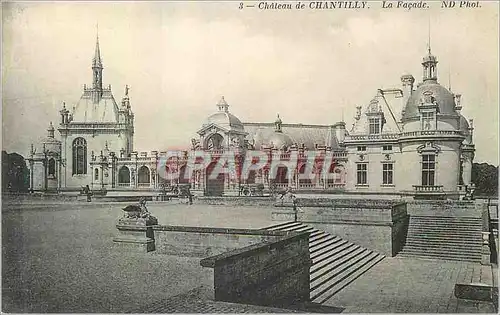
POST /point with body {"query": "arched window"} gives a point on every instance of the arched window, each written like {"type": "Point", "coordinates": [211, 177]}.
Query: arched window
{"type": "Point", "coordinates": [96, 174]}
{"type": "Point", "coordinates": [215, 142]}
{"type": "Point", "coordinates": [124, 176]}
{"type": "Point", "coordinates": [52, 167]}
{"type": "Point", "coordinates": [143, 175]}
{"type": "Point", "coordinates": [79, 156]}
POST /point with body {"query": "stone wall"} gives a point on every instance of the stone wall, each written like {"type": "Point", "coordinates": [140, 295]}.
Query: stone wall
{"type": "Point", "coordinates": [379, 225]}
{"type": "Point", "coordinates": [445, 208]}
{"type": "Point", "coordinates": [206, 241]}
{"type": "Point", "coordinates": [273, 274]}
{"type": "Point", "coordinates": [236, 201]}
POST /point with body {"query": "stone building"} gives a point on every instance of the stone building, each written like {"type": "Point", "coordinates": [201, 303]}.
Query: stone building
{"type": "Point", "coordinates": [422, 148]}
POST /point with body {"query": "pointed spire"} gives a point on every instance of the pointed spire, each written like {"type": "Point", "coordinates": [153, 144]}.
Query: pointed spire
{"type": "Point", "coordinates": [429, 37]}
{"type": "Point", "coordinates": [97, 63]}
{"type": "Point", "coordinates": [429, 62]}
{"type": "Point", "coordinates": [449, 79]}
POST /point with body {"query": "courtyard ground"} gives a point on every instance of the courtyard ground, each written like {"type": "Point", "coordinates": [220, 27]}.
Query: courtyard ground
{"type": "Point", "coordinates": [59, 257]}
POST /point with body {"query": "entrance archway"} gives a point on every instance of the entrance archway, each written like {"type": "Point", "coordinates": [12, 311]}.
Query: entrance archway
{"type": "Point", "coordinates": [214, 182]}
{"type": "Point", "coordinates": [124, 177]}
{"type": "Point", "coordinates": [143, 176]}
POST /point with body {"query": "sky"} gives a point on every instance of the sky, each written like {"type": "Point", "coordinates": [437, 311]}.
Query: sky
{"type": "Point", "coordinates": [179, 58]}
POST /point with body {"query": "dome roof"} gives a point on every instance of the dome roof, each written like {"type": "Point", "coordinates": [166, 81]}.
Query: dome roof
{"type": "Point", "coordinates": [280, 140]}
{"type": "Point", "coordinates": [443, 97]}
{"type": "Point", "coordinates": [225, 119]}
{"type": "Point", "coordinates": [464, 127]}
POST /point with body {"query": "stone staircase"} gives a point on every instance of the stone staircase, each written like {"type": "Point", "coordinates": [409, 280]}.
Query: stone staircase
{"type": "Point", "coordinates": [335, 262]}
{"type": "Point", "coordinates": [448, 238]}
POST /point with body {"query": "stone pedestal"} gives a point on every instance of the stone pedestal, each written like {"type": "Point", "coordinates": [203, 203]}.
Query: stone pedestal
{"type": "Point", "coordinates": [136, 234]}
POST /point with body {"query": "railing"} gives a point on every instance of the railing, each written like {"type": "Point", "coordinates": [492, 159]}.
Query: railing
{"type": "Point", "coordinates": [123, 184]}
{"type": "Point", "coordinates": [307, 185]}
{"type": "Point", "coordinates": [383, 136]}
{"type": "Point", "coordinates": [335, 185]}
{"type": "Point", "coordinates": [422, 188]}
{"type": "Point", "coordinates": [420, 133]}
{"type": "Point", "coordinates": [143, 184]}
{"type": "Point", "coordinates": [282, 185]}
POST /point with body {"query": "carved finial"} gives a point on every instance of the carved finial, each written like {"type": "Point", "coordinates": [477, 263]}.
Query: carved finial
{"type": "Point", "coordinates": [126, 90]}
{"type": "Point", "coordinates": [278, 123]}
{"type": "Point", "coordinates": [358, 112]}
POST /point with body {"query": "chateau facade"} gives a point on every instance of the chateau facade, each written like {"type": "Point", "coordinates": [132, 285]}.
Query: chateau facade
{"type": "Point", "coordinates": [423, 149]}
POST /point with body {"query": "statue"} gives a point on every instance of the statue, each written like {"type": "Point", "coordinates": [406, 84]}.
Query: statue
{"type": "Point", "coordinates": [235, 142]}
{"type": "Point", "coordinates": [126, 90]}
{"type": "Point", "coordinates": [138, 214]}
{"type": "Point", "coordinates": [195, 144]}
{"type": "Point", "coordinates": [469, 192]}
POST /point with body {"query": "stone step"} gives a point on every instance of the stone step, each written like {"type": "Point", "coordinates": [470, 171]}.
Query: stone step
{"type": "Point", "coordinates": [331, 283]}
{"type": "Point", "coordinates": [298, 228]}
{"type": "Point", "coordinates": [445, 227]}
{"type": "Point", "coordinates": [315, 234]}
{"type": "Point", "coordinates": [332, 261]}
{"type": "Point", "coordinates": [447, 222]}
{"type": "Point", "coordinates": [439, 257]}
{"type": "Point", "coordinates": [335, 261]}
{"type": "Point", "coordinates": [450, 231]}
{"type": "Point", "coordinates": [327, 247]}
{"type": "Point", "coordinates": [445, 247]}
{"type": "Point", "coordinates": [412, 243]}
{"type": "Point", "coordinates": [440, 218]}
{"type": "Point", "coordinates": [319, 284]}
{"type": "Point", "coordinates": [437, 253]}
{"type": "Point", "coordinates": [320, 241]}
{"type": "Point", "coordinates": [347, 279]}
{"type": "Point", "coordinates": [280, 226]}
{"type": "Point", "coordinates": [457, 236]}
{"type": "Point", "coordinates": [333, 250]}
{"type": "Point", "coordinates": [457, 239]}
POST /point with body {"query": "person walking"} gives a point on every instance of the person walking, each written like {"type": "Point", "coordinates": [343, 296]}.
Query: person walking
{"type": "Point", "coordinates": [190, 196]}
{"type": "Point", "coordinates": [295, 209]}
{"type": "Point", "coordinates": [88, 193]}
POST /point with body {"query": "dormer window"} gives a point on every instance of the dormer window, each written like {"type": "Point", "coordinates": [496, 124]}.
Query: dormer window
{"type": "Point", "coordinates": [427, 120]}
{"type": "Point", "coordinates": [374, 126]}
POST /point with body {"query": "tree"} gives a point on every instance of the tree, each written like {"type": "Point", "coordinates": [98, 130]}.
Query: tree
{"type": "Point", "coordinates": [485, 177]}
{"type": "Point", "coordinates": [15, 173]}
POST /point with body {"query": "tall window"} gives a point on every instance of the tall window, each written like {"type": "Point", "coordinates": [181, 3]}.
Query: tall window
{"type": "Point", "coordinates": [362, 174]}
{"type": "Point", "coordinates": [387, 147]}
{"type": "Point", "coordinates": [428, 169]}
{"type": "Point", "coordinates": [52, 167]}
{"type": "Point", "coordinates": [387, 174]}
{"type": "Point", "coordinates": [374, 125]}
{"type": "Point", "coordinates": [96, 174]}
{"type": "Point", "coordinates": [79, 156]}
{"type": "Point", "coordinates": [427, 119]}
{"type": "Point", "coordinates": [362, 148]}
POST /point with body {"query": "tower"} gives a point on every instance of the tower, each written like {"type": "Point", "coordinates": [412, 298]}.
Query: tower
{"type": "Point", "coordinates": [429, 64]}
{"type": "Point", "coordinates": [97, 73]}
